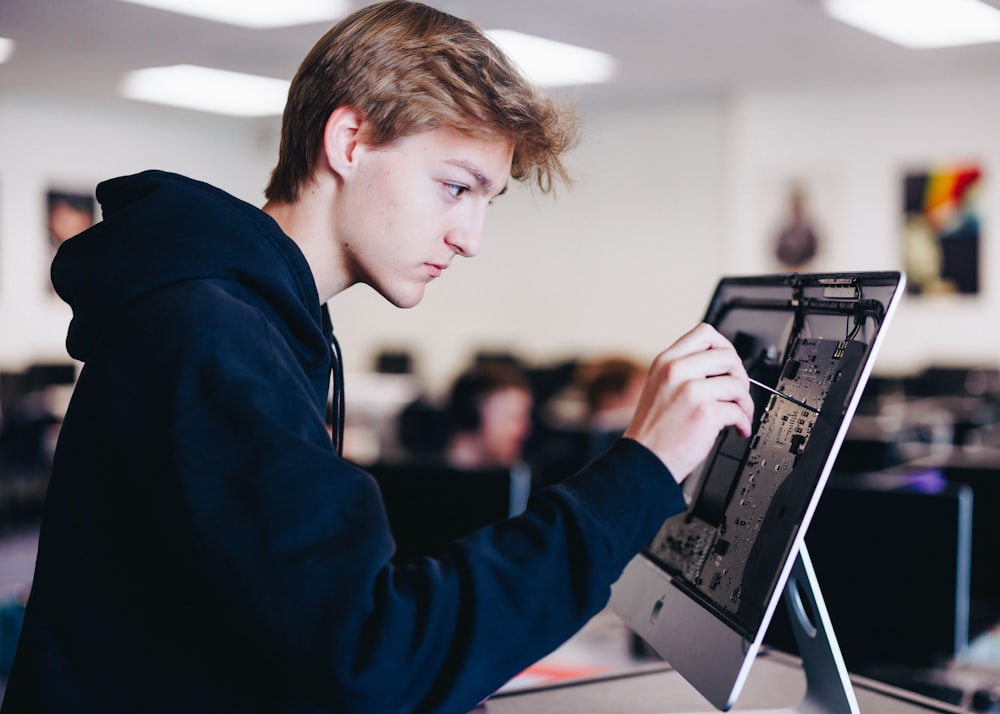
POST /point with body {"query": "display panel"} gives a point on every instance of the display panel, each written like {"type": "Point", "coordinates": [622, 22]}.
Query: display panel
{"type": "Point", "coordinates": [730, 544]}
{"type": "Point", "coordinates": [704, 589]}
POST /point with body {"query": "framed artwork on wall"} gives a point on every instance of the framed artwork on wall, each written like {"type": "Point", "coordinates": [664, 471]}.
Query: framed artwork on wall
{"type": "Point", "coordinates": [796, 241]}
{"type": "Point", "coordinates": [798, 213]}
{"type": "Point", "coordinates": [67, 213]}
{"type": "Point", "coordinates": [941, 230]}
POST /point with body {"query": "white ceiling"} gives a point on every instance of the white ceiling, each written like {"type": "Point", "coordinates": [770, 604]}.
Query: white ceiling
{"type": "Point", "coordinates": [81, 48]}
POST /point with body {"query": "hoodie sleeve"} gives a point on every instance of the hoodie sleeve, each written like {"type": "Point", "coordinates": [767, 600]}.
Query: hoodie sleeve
{"type": "Point", "coordinates": [296, 540]}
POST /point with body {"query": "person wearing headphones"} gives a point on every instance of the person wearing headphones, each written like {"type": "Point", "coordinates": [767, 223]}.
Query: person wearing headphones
{"type": "Point", "coordinates": [488, 416]}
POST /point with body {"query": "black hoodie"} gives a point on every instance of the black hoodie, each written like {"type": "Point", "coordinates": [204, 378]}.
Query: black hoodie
{"type": "Point", "coordinates": [205, 549]}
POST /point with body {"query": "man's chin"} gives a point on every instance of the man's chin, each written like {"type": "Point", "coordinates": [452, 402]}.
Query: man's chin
{"type": "Point", "coordinates": [404, 298]}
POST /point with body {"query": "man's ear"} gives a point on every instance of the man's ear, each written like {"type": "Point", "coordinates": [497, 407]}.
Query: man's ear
{"type": "Point", "coordinates": [341, 137]}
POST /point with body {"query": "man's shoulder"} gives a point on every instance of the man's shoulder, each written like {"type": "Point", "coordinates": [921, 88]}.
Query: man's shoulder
{"type": "Point", "coordinates": [207, 316]}
{"type": "Point", "coordinates": [216, 304]}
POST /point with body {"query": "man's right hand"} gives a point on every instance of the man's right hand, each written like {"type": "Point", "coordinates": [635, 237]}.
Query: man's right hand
{"type": "Point", "coordinates": [694, 389]}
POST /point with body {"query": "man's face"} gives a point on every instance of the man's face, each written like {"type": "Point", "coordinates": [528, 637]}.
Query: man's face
{"type": "Point", "coordinates": [411, 207]}
{"type": "Point", "coordinates": [505, 423]}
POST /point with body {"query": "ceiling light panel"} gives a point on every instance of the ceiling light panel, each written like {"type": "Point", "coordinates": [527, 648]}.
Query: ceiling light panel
{"type": "Point", "coordinates": [257, 14]}
{"type": "Point", "coordinates": [6, 49]}
{"type": "Point", "coordinates": [550, 64]}
{"type": "Point", "coordinates": [207, 89]}
{"type": "Point", "coordinates": [921, 24]}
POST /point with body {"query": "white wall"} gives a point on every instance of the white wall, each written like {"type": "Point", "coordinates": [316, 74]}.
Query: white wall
{"type": "Point", "coordinates": [853, 144]}
{"type": "Point", "coordinates": [622, 262]}
{"type": "Point", "coordinates": [45, 144]}
{"type": "Point", "coordinates": [668, 197]}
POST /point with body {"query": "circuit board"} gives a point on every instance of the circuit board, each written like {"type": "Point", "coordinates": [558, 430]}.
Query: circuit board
{"type": "Point", "coordinates": [755, 491]}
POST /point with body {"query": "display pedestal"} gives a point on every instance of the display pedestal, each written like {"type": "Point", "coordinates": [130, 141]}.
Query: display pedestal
{"type": "Point", "coordinates": [817, 680]}
{"type": "Point", "coordinates": [828, 686]}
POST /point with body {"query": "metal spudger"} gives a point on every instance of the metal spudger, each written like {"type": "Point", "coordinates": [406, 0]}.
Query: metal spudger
{"type": "Point", "coordinates": [793, 400]}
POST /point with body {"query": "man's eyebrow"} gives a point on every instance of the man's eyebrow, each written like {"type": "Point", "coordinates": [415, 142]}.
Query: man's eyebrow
{"type": "Point", "coordinates": [482, 179]}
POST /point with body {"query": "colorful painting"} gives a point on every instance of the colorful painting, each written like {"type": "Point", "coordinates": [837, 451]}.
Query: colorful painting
{"type": "Point", "coordinates": [941, 239]}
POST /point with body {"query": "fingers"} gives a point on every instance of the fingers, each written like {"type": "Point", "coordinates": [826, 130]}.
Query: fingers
{"type": "Point", "coordinates": [728, 395]}
{"type": "Point", "coordinates": [702, 352]}
{"type": "Point", "coordinates": [702, 337]}
{"type": "Point", "coordinates": [694, 389]}
{"type": "Point", "coordinates": [713, 362]}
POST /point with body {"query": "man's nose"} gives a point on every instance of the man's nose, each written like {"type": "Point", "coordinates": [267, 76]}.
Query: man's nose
{"type": "Point", "coordinates": [466, 237]}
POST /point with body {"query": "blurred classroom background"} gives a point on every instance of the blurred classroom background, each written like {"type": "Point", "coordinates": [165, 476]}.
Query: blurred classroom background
{"type": "Point", "coordinates": [730, 138]}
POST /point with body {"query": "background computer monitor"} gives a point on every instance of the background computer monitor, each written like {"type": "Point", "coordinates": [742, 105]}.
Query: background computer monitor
{"type": "Point", "coordinates": [430, 504]}
{"type": "Point", "coordinates": [704, 590]}
{"type": "Point", "coordinates": [892, 554]}
{"type": "Point", "coordinates": [980, 471]}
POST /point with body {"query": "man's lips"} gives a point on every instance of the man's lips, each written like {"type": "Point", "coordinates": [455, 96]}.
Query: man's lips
{"type": "Point", "coordinates": [435, 269]}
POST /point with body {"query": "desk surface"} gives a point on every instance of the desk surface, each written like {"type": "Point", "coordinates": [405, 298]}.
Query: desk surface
{"type": "Point", "coordinates": [775, 682]}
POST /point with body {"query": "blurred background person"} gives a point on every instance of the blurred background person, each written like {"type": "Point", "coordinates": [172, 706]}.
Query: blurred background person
{"type": "Point", "coordinates": [488, 416]}
{"type": "Point", "coordinates": [611, 387]}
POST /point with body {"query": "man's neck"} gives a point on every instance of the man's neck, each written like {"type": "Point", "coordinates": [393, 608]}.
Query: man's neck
{"type": "Point", "coordinates": [308, 222]}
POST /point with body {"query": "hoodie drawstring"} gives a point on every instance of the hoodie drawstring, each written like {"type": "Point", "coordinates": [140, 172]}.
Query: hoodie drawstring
{"type": "Point", "coordinates": [336, 411]}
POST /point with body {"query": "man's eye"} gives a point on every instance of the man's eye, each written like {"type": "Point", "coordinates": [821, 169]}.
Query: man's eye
{"type": "Point", "coordinates": [456, 189]}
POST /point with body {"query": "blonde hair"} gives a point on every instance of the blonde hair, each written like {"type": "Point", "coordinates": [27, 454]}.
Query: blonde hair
{"type": "Point", "coordinates": [409, 68]}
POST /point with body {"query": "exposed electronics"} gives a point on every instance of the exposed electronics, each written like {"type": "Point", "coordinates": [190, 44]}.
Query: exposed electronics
{"type": "Point", "coordinates": [703, 591]}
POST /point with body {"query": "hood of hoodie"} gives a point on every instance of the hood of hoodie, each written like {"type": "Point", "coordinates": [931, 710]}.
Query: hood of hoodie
{"type": "Point", "coordinates": [160, 228]}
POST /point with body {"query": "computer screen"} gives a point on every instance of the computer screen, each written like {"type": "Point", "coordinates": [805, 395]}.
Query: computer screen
{"type": "Point", "coordinates": [702, 592]}
{"type": "Point", "coordinates": [980, 471]}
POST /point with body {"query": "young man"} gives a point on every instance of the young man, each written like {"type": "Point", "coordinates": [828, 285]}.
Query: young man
{"type": "Point", "coordinates": [204, 548]}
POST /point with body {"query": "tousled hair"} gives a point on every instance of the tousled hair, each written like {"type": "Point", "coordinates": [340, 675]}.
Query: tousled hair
{"type": "Point", "coordinates": [409, 68]}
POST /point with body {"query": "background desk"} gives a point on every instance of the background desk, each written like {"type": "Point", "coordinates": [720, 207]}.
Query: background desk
{"type": "Point", "coordinates": [775, 681]}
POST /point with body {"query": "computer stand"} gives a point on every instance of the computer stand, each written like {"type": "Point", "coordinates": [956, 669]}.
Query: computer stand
{"type": "Point", "coordinates": [828, 686]}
